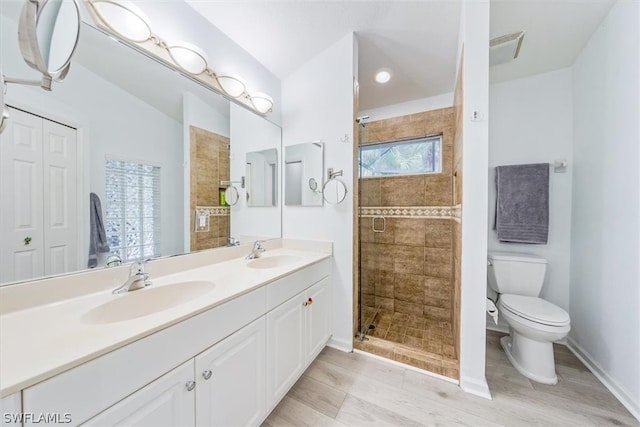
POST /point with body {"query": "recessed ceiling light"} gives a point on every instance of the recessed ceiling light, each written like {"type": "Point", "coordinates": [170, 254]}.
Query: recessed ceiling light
{"type": "Point", "coordinates": [383, 76]}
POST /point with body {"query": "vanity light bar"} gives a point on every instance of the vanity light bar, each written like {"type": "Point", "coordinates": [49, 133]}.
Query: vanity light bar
{"type": "Point", "coordinates": [117, 16]}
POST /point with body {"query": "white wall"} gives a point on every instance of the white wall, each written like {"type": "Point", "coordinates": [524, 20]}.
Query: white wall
{"type": "Point", "coordinates": [318, 105]}
{"type": "Point", "coordinates": [410, 107]}
{"type": "Point", "coordinates": [605, 255]}
{"type": "Point", "coordinates": [475, 38]}
{"type": "Point", "coordinates": [531, 122]}
{"type": "Point", "coordinates": [250, 132]}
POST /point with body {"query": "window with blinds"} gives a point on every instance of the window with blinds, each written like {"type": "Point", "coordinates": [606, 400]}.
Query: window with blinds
{"type": "Point", "coordinates": [132, 213]}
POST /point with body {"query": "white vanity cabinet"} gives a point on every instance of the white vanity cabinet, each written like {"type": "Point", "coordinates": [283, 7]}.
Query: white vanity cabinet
{"type": "Point", "coordinates": [167, 401]}
{"type": "Point", "coordinates": [227, 366]}
{"type": "Point", "coordinates": [231, 378]}
{"type": "Point", "coordinates": [297, 331]}
{"type": "Point", "coordinates": [225, 384]}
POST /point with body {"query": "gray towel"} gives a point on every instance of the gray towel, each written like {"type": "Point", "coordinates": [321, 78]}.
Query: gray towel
{"type": "Point", "coordinates": [97, 235]}
{"type": "Point", "coordinates": [522, 203]}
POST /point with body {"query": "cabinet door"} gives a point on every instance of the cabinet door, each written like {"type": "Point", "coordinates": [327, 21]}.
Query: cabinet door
{"type": "Point", "coordinates": [11, 410]}
{"type": "Point", "coordinates": [285, 347]}
{"type": "Point", "coordinates": [167, 401]}
{"type": "Point", "coordinates": [318, 321]}
{"type": "Point", "coordinates": [231, 379]}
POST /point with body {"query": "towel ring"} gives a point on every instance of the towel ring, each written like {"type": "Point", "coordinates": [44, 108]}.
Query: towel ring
{"type": "Point", "coordinates": [334, 191]}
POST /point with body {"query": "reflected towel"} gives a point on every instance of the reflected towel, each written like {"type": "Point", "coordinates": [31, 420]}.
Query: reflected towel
{"type": "Point", "coordinates": [522, 203]}
{"type": "Point", "coordinates": [97, 235]}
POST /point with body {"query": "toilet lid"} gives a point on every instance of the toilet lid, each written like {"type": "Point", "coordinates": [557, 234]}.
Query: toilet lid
{"type": "Point", "coordinates": [535, 309]}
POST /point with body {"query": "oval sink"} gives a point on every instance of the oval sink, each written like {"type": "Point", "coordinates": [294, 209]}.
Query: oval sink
{"type": "Point", "coordinates": [146, 301]}
{"type": "Point", "coordinates": [273, 261]}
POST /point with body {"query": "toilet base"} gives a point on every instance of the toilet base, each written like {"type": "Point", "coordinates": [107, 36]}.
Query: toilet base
{"type": "Point", "coordinates": [533, 359]}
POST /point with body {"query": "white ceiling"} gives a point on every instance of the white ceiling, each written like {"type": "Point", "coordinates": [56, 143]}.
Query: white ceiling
{"type": "Point", "coordinates": [417, 40]}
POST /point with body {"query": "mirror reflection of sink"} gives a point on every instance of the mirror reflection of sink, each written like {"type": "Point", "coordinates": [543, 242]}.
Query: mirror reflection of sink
{"type": "Point", "coordinates": [273, 261]}
{"type": "Point", "coordinates": [147, 301]}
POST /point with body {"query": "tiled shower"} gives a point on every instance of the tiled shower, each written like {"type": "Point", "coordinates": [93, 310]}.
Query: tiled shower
{"type": "Point", "coordinates": [408, 271]}
{"type": "Point", "coordinates": [209, 156]}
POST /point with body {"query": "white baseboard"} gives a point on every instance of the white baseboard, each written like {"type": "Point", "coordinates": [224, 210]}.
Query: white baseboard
{"type": "Point", "coordinates": [624, 398]}
{"type": "Point", "coordinates": [476, 387]}
{"type": "Point", "coordinates": [346, 346]}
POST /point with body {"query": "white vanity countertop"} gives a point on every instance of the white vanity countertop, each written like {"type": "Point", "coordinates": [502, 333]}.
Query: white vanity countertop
{"type": "Point", "coordinates": [40, 342]}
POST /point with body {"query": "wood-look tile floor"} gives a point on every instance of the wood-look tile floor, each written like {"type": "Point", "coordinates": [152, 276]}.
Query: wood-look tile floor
{"type": "Point", "coordinates": [350, 389]}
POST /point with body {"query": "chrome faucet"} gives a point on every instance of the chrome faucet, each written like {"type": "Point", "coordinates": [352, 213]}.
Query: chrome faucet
{"type": "Point", "coordinates": [257, 250]}
{"type": "Point", "coordinates": [137, 280]}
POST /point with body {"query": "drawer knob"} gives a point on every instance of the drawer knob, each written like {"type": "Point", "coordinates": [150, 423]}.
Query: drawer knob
{"type": "Point", "coordinates": [191, 385]}
{"type": "Point", "coordinates": [207, 374]}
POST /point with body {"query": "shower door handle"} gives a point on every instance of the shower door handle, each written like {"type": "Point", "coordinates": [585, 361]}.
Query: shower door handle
{"type": "Point", "coordinates": [376, 226]}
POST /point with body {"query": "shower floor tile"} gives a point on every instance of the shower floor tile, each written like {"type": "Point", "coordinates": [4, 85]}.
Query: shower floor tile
{"type": "Point", "coordinates": [416, 341]}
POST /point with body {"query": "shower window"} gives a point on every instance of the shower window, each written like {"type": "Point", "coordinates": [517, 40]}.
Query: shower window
{"type": "Point", "coordinates": [132, 214]}
{"type": "Point", "coordinates": [408, 157]}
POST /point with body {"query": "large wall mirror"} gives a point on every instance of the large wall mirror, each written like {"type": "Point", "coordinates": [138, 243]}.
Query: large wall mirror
{"type": "Point", "coordinates": [152, 144]}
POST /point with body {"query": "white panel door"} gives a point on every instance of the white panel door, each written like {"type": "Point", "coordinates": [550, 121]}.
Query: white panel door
{"type": "Point", "coordinates": [318, 320]}
{"type": "Point", "coordinates": [285, 348]}
{"type": "Point", "coordinates": [60, 148]}
{"type": "Point", "coordinates": [231, 379]}
{"type": "Point", "coordinates": [21, 231]}
{"type": "Point", "coordinates": [165, 402]}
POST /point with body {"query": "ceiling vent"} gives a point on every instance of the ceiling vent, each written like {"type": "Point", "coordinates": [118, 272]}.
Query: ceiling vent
{"type": "Point", "coordinates": [505, 48]}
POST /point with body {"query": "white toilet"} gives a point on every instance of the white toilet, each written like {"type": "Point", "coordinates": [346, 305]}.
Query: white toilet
{"type": "Point", "coordinates": [534, 324]}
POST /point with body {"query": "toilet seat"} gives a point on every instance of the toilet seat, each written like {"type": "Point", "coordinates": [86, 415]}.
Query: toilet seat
{"type": "Point", "coordinates": [535, 310]}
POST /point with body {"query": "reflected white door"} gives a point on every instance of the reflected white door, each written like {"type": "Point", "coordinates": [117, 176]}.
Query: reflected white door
{"type": "Point", "coordinates": [21, 214]}
{"type": "Point", "coordinates": [60, 150]}
{"type": "Point", "coordinates": [38, 224]}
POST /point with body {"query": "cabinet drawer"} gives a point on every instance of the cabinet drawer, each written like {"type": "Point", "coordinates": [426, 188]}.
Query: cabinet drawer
{"type": "Point", "coordinates": [285, 288]}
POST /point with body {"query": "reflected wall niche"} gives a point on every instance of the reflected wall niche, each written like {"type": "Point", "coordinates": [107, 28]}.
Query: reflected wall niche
{"type": "Point", "coordinates": [209, 154]}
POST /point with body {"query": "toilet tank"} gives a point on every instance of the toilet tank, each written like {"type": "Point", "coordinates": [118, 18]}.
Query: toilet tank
{"type": "Point", "coordinates": [514, 273]}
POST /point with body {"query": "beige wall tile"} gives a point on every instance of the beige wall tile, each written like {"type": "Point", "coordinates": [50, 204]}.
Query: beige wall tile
{"type": "Point", "coordinates": [385, 304]}
{"type": "Point", "coordinates": [408, 307]}
{"type": "Point", "coordinates": [409, 287]}
{"type": "Point", "coordinates": [438, 233]}
{"type": "Point", "coordinates": [437, 313]}
{"type": "Point", "coordinates": [407, 259]}
{"type": "Point", "coordinates": [403, 191]}
{"type": "Point", "coordinates": [384, 286]}
{"type": "Point", "coordinates": [436, 288]}
{"type": "Point", "coordinates": [442, 271]}
{"type": "Point", "coordinates": [409, 231]}
{"type": "Point", "coordinates": [370, 192]}
{"type": "Point", "coordinates": [438, 191]}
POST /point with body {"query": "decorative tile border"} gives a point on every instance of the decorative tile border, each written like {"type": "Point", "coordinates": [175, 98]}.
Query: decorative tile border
{"type": "Point", "coordinates": [430, 212]}
{"type": "Point", "coordinates": [215, 210]}
{"type": "Point", "coordinates": [456, 213]}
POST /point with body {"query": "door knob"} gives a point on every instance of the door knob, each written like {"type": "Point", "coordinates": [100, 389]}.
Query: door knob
{"type": "Point", "coordinates": [190, 385]}
{"type": "Point", "coordinates": [207, 374]}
